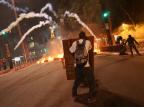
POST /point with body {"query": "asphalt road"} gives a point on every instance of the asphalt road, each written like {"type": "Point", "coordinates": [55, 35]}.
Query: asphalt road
{"type": "Point", "coordinates": [120, 81]}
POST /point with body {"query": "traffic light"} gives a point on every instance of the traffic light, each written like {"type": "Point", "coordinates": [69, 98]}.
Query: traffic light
{"type": "Point", "coordinates": [4, 34]}
{"type": "Point", "coordinates": [106, 15]}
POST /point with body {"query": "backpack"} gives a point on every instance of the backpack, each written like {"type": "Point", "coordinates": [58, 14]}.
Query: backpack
{"type": "Point", "coordinates": [81, 54]}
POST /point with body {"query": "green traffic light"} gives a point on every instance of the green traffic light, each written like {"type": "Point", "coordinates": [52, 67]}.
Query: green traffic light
{"type": "Point", "coordinates": [106, 14]}
{"type": "Point", "coordinates": [4, 33]}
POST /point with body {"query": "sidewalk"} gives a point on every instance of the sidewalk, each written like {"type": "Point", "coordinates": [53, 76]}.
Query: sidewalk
{"type": "Point", "coordinates": [116, 53]}
{"type": "Point", "coordinates": [4, 71]}
{"type": "Point", "coordinates": [16, 68]}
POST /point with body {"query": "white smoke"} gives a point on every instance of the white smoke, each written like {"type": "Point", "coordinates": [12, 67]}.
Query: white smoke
{"type": "Point", "coordinates": [48, 21]}
{"type": "Point", "coordinates": [74, 15]}
{"type": "Point", "coordinates": [12, 7]}
{"type": "Point", "coordinates": [50, 7]}
{"type": "Point", "coordinates": [42, 23]}
{"type": "Point", "coordinates": [26, 16]}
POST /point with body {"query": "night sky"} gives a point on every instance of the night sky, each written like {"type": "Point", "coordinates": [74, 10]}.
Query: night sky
{"type": "Point", "coordinates": [133, 7]}
{"type": "Point", "coordinates": [120, 8]}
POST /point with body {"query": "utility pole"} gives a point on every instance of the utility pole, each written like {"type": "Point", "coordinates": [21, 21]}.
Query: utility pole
{"type": "Point", "coordinates": [6, 53]}
{"type": "Point", "coordinates": [107, 21]}
{"type": "Point", "coordinates": [19, 31]}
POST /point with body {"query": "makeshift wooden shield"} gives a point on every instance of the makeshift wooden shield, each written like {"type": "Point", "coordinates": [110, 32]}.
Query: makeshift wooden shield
{"type": "Point", "coordinates": [69, 59]}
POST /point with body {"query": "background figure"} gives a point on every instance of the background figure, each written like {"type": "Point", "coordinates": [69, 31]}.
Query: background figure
{"type": "Point", "coordinates": [4, 64]}
{"type": "Point", "coordinates": [10, 63]}
{"type": "Point", "coordinates": [0, 64]}
{"type": "Point", "coordinates": [119, 38]}
{"type": "Point", "coordinates": [121, 45]}
{"type": "Point", "coordinates": [131, 43]}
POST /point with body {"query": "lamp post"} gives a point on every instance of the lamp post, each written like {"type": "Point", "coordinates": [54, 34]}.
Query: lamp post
{"type": "Point", "coordinates": [106, 16]}
{"type": "Point", "coordinates": [19, 31]}
{"type": "Point", "coordinates": [107, 22]}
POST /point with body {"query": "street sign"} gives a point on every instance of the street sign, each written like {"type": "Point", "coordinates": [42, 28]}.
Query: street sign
{"type": "Point", "coordinates": [69, 59]}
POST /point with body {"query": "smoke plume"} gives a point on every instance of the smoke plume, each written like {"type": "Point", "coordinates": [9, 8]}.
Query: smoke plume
{"type": "Point", "coordinates": [12, 7]}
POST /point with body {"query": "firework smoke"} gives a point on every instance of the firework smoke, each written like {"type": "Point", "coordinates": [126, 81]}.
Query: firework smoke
{"type": "Point", "coordinates": [48, 21]}
{"type": "Point", "coordinates": [26, 16]}
{"type": "Point", "coordinates": [42, 23]}
{"type": "Point", "coordinates": [12, 7]}
{"type": "Point", "coordinates": [50, 7]}
{"type": "Point", "coordinates": [74, 15]}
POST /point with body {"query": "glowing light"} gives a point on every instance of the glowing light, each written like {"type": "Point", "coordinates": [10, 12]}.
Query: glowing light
{"type": "Point", "coordinates": [59, 37]}
{"type": "Point", "coordinates": [60, 56]}
{"type": "Point", "coordinates": [125, 26]}
{"type": "Point", "coordinates": [17, 59]}
{"type": "Point", "coordinates": [125, 29]}
{"type": "Point", "coordinates": [50, 58]}
{"type": "Point", "coordinates": [97, 51]}
{"type": "Point", "coordinates": [42, 62]}
{"type": "Point", "coordinates": [38, 62]}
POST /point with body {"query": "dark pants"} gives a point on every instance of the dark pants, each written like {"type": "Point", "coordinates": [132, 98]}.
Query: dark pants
{"type": "Point", "coordinates": [10, 63]}
{"type": "Point", "coordinates": [81, 73]}
{"type": "Point", "coordinates": [122, 50]}
{"type": "Point", "coordinates": [0, 67]}
{"type": "Point", "coordinates": [133, 47]}
{"type": "Point", "coordinates": [4, 66]}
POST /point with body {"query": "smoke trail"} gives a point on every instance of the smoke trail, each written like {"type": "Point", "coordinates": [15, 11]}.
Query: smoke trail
{"type": "Point", "coordinates": [50, 7]}
{"type": "Point", "coordinates": [42, 23]}
{"type": "Point", "coordinates": [48, 21]}
{"type": "Point", "coordinates": [26, 16]}
{"type": "Point", "coordinates": [74, 15]}
{"type": "Point", "coordinates": [12, 7]}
